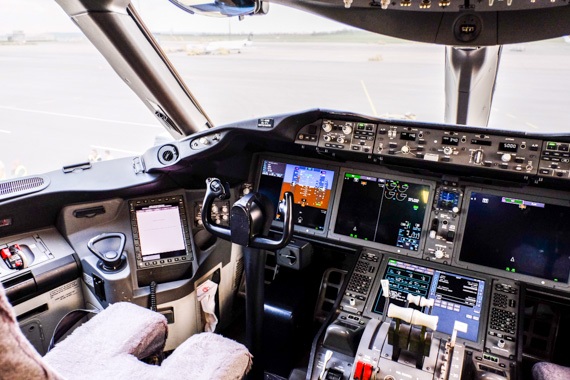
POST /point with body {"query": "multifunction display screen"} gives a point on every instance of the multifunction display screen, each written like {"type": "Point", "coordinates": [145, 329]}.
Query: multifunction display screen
{"type": "Point", "coordinates": [160, 231]}
{"type": "Point", "coordinates": [518, 235]}
{"type": "Point", "coordinates": [311, 188]}
{"type": "Point", "coordinates": [382, 210]}
{"type": "Point", "coordinates": [456, 297]}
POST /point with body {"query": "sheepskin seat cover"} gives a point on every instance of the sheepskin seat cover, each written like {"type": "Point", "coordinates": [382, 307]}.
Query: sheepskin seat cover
{"type": "Point", "coordinates": [109, 346]}
{"type": "Point", "coordinates": [550, 371]}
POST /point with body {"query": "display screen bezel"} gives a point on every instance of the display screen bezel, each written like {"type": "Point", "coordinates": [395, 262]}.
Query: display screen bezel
{"type": "Point", "coordinates": [303, 162]}
{"type": "Point", "coordinates": [531, 196]}
{"type": "Point", "coordinates": [167, 256]}
{"type": "Point", "coordinates": [367, 243]}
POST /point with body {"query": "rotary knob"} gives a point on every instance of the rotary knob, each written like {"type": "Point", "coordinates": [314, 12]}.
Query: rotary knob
{"type": "Point", "coordinates": [438, 253]}
{"type": "Point", "coordinates": [506, 157]}
{"type": "Point", "coordinates": [327, 127]}
{"type": "Point", "coordinates": [340, 140]}
{"type": "Point", "coordinates": [478, 156]}
{"type": "Point", "coordinates": [447, 150]}
{"type": "Point", "coordinates": [347, 129]}
{"type": "Point", "coordinates": [405, 149]}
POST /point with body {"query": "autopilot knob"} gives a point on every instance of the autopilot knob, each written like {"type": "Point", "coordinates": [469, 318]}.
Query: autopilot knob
{"type": "Point", "coordinates": [439, 254]}
{"type": "Point", "coordinates": [327, 127]}
{"type": "Point", "coordinates": [478, 156]}
{"type": "Point", "coordinates": [347, 129]}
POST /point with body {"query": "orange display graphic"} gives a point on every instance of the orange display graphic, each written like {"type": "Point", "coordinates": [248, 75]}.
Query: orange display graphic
{"type": "Point", "coordinates": [307, 195]}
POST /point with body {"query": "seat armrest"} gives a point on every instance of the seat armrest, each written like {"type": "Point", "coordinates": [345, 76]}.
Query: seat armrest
{"type": "Point", "coordinates": [120, 328]}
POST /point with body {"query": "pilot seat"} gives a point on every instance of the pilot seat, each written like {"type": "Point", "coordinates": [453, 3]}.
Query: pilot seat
{"type": "Point", "coordinates": [112, 344]}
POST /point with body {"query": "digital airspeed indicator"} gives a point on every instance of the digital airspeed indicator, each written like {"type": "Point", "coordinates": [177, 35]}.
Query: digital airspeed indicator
{"type": "Point", "coordinates": [508, 147]}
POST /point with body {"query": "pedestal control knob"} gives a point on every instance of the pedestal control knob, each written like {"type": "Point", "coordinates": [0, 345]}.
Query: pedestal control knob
{"type": "Point", "coordinates": [438, 254]}
{"type": "Point", "coordinates": [347, 129]}
{"type": "Point", "coordinates": [506, 157]}
{"type": "Point", "coordinates": [327, 127]}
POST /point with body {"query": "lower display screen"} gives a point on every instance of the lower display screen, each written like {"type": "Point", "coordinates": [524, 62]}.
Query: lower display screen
{"type": "Point", "coordinates": [517, 235]}
{"type": "Point", "coordinates": [382, 210]}
{"type": "Point", "coordinates": [456, 297]}
{"type": "Point", "coordinates": [311, 188]}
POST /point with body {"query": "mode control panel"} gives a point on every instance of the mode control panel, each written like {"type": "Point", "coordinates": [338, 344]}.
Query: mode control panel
{"type": "Point", "coordinates": [347, 135]}
{"type": "Point", "coordinates": [360, 283]}
{"type": "Point", "coordinates": [444, 222]}
{"type": "Point", "coordinates": [555, 160]}
{"type": "Point", "coordinates": [516, 154]}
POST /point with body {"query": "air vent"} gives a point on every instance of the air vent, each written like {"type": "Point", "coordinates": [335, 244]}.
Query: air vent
{"type": "Point", "coordinates": [167, 154]}
{"type": "Point", "coordinates": [21, 186]}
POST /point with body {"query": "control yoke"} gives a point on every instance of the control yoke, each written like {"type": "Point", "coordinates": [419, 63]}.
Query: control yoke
{"type": "Point", "coordinates": [250, 221]}
{"type": "Point", "coordinates": [250, 217]}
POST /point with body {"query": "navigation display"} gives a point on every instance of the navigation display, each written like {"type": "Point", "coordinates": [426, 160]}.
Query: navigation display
{"type": "Point", "coordinates": [456, 297]}
{"type": "Point", "coordinates": [518, 234]}
{"type": "Point", "coordinates": [382, 210]}
{"type": "Point", "coordinates": [311, 188]}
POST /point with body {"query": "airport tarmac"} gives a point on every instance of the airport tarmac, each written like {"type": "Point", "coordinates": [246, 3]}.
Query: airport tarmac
{"type": "Point", "coordinates": [60, 101]}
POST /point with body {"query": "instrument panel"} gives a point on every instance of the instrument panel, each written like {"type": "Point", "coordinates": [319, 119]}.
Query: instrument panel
{"type": "Point", "coordinates": [488, 229]}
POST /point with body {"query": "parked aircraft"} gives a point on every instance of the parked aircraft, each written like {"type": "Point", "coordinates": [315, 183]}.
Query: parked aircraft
{"type": "Point", "coordinates": [220, 47]}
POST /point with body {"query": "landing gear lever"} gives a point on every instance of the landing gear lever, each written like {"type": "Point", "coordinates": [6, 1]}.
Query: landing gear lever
{"type": "Point", "coordinates": [250, 220]}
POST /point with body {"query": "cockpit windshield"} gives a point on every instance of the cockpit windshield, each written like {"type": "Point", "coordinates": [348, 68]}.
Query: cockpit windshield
{"type": "Point", "coordinates": [62, 103]}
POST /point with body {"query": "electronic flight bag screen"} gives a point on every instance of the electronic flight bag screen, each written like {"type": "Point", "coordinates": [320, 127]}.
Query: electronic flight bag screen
{"type": "Point", "coordinates": [456, 297]}
{"type": "Point", "coordinates": [159, 229]}
{"type": "Point", "coordinates": [311, 188]}
{"type": "Point", "coordinates": [382, 210]}
{"type": "Point", "coordinates": [518, 234]}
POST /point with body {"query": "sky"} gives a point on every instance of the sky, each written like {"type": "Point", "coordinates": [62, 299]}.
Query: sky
{"type": "Point", "coordinates": [46, 16]}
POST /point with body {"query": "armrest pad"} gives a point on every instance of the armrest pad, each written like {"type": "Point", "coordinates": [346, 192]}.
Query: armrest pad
{"type": "Point", "coordinates": [210, 356]}
{"type": "Point", "coordinates": [121, 328]}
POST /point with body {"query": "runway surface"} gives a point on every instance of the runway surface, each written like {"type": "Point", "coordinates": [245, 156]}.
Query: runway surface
{"type": "Point", "coordinates": [61, 101]}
